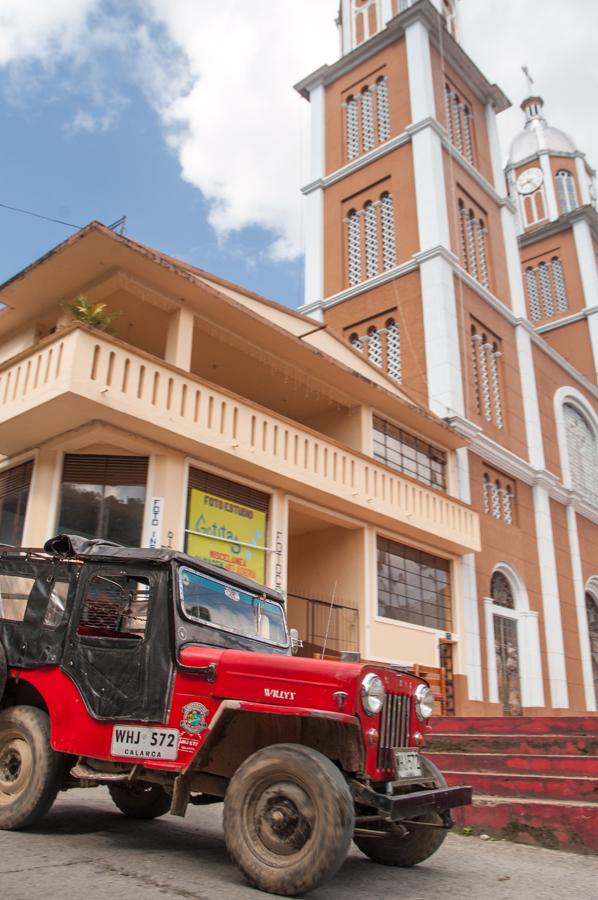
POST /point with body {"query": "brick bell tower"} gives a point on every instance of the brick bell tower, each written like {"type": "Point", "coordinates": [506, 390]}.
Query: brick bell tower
{"type": "Point", "coordinates": [553, 188]}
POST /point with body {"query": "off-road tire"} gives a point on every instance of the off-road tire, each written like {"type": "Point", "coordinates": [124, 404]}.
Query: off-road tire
{"type": "Point", "coordinates": [406, 850]}
{"type": "Point", "coordinates": [288, 819]}
{"type": "Point", "coordinates": [31, 773]}
{"type": "Point", "coordinates": [140, 801]}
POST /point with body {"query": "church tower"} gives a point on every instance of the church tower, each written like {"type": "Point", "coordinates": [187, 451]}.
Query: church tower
{"type": "Point", "coordinates": [412, 257]}
{"type": "Point", "coordinates": [553, 189]}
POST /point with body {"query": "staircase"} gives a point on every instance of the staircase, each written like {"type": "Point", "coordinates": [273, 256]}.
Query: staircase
{"type": "Point", "coordinates": [535, 780]}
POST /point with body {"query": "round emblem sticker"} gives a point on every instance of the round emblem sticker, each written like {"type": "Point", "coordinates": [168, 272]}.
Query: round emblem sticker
{"type": "Point", "coordinates": [194, 717]}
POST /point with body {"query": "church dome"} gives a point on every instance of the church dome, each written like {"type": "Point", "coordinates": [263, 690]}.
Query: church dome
{"type": "Point", "coordinates": [537, 135]}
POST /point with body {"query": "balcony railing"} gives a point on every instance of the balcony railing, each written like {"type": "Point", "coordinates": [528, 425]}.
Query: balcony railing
{"type": "Point", "coordinates": [79, 376]}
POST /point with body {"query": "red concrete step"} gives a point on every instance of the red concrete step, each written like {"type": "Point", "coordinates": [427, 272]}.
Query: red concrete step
{"type": "Point", "coordinates": [530, 764]}
{"type": "Point", "coordinates": [545, 787]}
{"type": "Point", "coordinates": [512, 743]}
{"type": "Point", "coordinates": [552, 824]}
{"type": "Point", "coordinates": [566, 725]}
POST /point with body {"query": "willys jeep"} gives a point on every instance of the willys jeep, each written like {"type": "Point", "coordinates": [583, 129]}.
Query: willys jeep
{"type": "Point", "coordinates": [174, 683]}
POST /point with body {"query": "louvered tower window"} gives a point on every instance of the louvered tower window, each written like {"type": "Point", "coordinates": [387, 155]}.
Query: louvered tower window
{"type": "Point", "coordinates": [352, 126]}
{"type": "Point", "coordinates": [375, 346]}
{"type": "Point", "coordinates": [371, 240]}
{"type": "Point", "coordinates": [582, 450]}
{"type": "Point", "coordinates": [354, 247]}
{"type": "Point", "coordinates": [383, 110]}
{"type": "Point", "coordinates": [389, 249]}
{"type": "Point", "coordinates": [546, 292]}
{"type": "Point", "coordinates": [367, 118]}
{"type": "Point", "coordinates": [393, 349]}
{"type": "Point", "coordinates": [378, 221]}
{"type": "Point", "coordinates": [566, 190]}
{"type": "Point", "coordinates": [486, 357]}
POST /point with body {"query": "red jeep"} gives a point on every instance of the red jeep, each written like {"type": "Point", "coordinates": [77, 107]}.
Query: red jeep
{"type": "Point", "coordinates": [173, 682]}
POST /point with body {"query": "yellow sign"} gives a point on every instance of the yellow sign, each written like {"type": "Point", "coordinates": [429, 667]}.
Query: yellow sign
{"type": "Point", "coordinates": [227, 534]}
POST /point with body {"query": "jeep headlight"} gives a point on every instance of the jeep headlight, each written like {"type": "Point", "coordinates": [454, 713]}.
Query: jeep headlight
{"type": "Point", "coordinates": [424, 702]}
{"type": "Point", "coordinates": [372, 694]}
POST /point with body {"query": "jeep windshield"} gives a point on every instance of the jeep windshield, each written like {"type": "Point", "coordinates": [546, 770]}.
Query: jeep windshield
{"type": "Point", "coordinates": [228, 608]}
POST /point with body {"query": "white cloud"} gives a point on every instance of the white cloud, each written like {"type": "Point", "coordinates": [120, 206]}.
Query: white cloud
{"type": "Point", "coordinates": [240, 129]}
{"type": "Point", "coordinates": [42, 30]}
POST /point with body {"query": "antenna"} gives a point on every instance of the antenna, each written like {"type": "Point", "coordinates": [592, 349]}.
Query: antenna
{"type": "Point", "coordinates": [331, 607]}
{"type": "Point", "coordinates": [120, 225]}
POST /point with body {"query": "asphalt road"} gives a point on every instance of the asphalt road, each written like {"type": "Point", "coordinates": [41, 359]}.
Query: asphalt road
{"type": "Point", "coordinates": [86, 850]}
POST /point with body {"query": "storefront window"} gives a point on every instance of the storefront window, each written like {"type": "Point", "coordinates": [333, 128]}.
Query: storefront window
{"type": "Point", "coordinates": [103, 497]}
{"type": "Point", "coordinates": [14, 493]}
{"type": "Point", "coordinates": [413, 586]}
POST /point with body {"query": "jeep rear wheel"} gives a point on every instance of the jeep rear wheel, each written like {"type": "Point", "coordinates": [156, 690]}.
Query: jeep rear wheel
{"type": "Point", "coordinates": [140, 801]}
{"type": "Point", "coordinates": [288, 819]}
{"type": "Point", "coordinates": [423, 837]}
{"type": "Point", "coordinates": [31, 773]}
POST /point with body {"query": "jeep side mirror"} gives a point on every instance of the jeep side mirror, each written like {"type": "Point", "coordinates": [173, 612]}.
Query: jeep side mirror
{"type": "Point", "coordinates": [296, 641]}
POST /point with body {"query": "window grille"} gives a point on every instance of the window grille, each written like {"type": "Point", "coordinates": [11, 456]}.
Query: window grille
{"type": "Point", "coordinates": [583, 452]}
{"type": "Point", "coordinates": [356, 342]}
{"type": "Point", "coordinates": [486, 378]}
{"type": "Point", "coordinates": [471, 244]}
{"type": "Point", "coordinates": [375, 347]}
{"type": "Point", "coordinates": [352, 126]}
{"type": "Point", "coordinates": [463, 214]}
{"type": "Point", "coordinates": [483, 262]}
{"type": "Point", "coordinates": [371, 240]}
{"type": "Point", "coordinates": [497, 403]}
{"type": "Point", "coordinates": [458, 135]}
{"type": "Point", "coordinates": [532, 295]}
{"type": "Point", "coordinates": [562, 301]}
{"type": "Point", "coordinates": [546, 289]}
{"type": "Point", "coordinates": [566, 191]}
{"type": "Point", "coordinates": [507, 506]}
{"type": "Point", "coordinates": [486, 494]}
{"type": "Point", "coordinates": [354, 247]}
{"type": "Point", "coordinates": [389, 253]}
{"type": "Point", "coordinates": [548, 276]}
{"type": "Point", "coordinates": [448, 112]}
{"type": "Point", "coordinates": [393, 349]}
{"type": "Point", "coordinates": [459, 122]}
{"type": "Point", "coordinates": [467, 141]}
{"type": "Point", "coordinates": [383, 110]}
{"type": "Point", "coordinates": [367, 118]}
{"type": "Point", "coordinates": [496, 499]}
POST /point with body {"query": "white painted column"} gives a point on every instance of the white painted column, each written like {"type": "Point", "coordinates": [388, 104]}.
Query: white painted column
{"type": "Point", "coordinates": [580, 606]}
{"type": "Point", "coordinates": [584, 248]}
{"type": "Point", "coordinates": [530, 663]}
{"type": "Point", "coordinates": [490, 651]}
{"type": "Point", "coordinates": [441, 334]}
{"type": "Point", "coordinates": [41, 518]}
{"type": "Point", "coordinates": [529, 393]}
{"type": "Point", "coordinates": [551, 201]}
{"type": "Point", "coordinates": [314, 202]}
{"type": "Point", "coordinates": [419, 63]}
{"type": "Point", "coordinates": [472, 628]}
{"type": "Point", "coordinates": [179, 339]}
{"type": "Point", "coordinates": [553, 626]}
{"type": "Point", "coordinates": [509, 230]}
{"type": "Point", "coordinates": [385, 11]}
{"type": "Point", "coordinates": [498, 174]}
{"type": "Point", "coordinates": [347, 38]}
{"type": "Point", "coordinates": [582, 180]}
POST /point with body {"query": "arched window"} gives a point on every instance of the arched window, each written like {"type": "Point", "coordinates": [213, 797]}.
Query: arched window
{"type": "Point", "coordinates": [371, 240]}
{"type": "Point", "coordinates": [352, 126]}
{"type": "Point", "coordinates": [389, 250]}
{"type": "Point", "coordinates": [354, 247]}
{"type": "Point", "coordinates": [365, 19]}
{"type": "Point", "coordinates": [501, 590]}
{"type": "Point", "coordinates": [383, 110]}
{"type": "Point", "coordinates": [592, 616]}
{"type": "Point", "coordinates": [367, 118]}
{"type": "Point", "coordinates": [532, 294]}
{"type": "Point", "coordinates": [375, 346]}
{"type": "Point", "coordinates": [356, 342]}
{"type": "Point", "coordinates": [565, 183]}
{"type": "Point", "coordinates": [582, 450]}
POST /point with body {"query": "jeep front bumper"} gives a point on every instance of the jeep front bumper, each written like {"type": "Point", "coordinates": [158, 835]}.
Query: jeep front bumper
{"type": "Point", "coordinates": [397, 807]}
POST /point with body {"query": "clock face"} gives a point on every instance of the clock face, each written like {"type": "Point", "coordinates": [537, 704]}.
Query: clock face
{"type": "Point", "coordinates": [529, 181]}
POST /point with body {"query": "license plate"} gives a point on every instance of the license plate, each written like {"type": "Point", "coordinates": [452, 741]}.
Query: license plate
{"type": "Point", "coordinates": [144, 743]}
{"type": "Point", "coordinates": [408, 764]}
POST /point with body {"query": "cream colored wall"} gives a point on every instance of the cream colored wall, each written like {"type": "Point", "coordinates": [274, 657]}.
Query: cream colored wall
{"type": "Point", "coordinates": [17, 343]}
{"type": "Point", "coordinates": [347, 427]}
{"type": "Point", "coordinates": [327, 563]}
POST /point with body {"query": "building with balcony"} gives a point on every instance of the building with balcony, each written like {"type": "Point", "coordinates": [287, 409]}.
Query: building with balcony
{"type": "Point", "coordinates": [218, 422]}
{"type": "Point", "coordinates": [477, 293]}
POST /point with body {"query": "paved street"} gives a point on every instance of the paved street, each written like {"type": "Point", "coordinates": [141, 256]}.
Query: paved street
{"type": "Point", "coordinates": [87, 850]}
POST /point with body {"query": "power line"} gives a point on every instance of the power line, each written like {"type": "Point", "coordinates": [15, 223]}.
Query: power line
{"type": "Point", "coordinates": [28, 212]}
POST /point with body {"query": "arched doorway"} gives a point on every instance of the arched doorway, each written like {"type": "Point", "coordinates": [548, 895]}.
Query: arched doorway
{"type": "Point", "coordinates": [506, 643]}
{"type": "Point", "coordinates": [592, 616]}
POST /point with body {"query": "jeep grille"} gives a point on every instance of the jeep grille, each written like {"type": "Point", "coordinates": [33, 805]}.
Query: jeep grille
{"type": "Point", "coordinates": [394, 728]}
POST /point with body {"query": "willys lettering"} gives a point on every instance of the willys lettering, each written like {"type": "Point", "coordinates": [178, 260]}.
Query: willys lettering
{"type": "Point", "coordinates": [276, 694]}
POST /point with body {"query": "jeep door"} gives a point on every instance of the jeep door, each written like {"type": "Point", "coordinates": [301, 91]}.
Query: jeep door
{"type": "Point", "coordinates": [118, 650]}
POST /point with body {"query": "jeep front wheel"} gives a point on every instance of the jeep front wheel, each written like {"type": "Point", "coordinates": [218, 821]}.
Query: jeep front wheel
{"type": "Point", "coordinates": [423, 837]}
{"type": "Point", "coordinates": [288, 819]}
{"type": "Point", "coordinates": [31, 773]}
{"type": "Point", "coordinates": [140, 801]}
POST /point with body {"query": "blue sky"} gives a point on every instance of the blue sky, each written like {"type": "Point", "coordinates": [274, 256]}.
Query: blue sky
{"type": "Point", "coordinates": [180, 114]}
